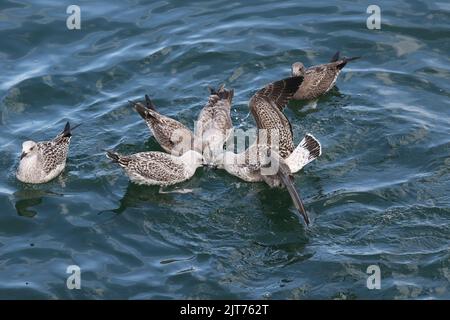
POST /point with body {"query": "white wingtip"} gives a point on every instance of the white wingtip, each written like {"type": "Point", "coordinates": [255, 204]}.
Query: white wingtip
{"type": "Point", "coordinates": [308, 150]}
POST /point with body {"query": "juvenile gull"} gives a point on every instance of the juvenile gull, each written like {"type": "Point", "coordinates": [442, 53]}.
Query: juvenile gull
{"type": "Point", "coordinates": [42, 161]}
{"type": "Point", "coordinates": [174, 137]}
{"type": "Point", "coordinates": [319, 79]}
{"type": "Point", "coordinates": [271, 168]}
{"type": "Point", "coordinates": [214, 124]}
{"type": "Point", "coordinates": [266, 106]}
{"type": "Point", "coordinates": [244, 165]}
{"type": "Point", "coordinates": [158, 168]}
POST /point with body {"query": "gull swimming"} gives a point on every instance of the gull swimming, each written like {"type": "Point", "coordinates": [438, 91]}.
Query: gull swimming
{"type": "Point", "coordinates": [158, 168]}
{"type": "Point", "coordinates": [244, 165]}
{"type": "Point", "coordinates": [265, 106]}
{"type": "Point", "coordinates": [214, 124]}
{"type": "Point", "coordinates": [43, 161]}
{"type": "Point", "coordinates": [319, 79]}
{"type": "Point", "coordinates": [174, 137]}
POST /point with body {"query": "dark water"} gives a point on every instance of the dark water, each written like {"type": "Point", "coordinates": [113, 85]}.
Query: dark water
{"type": "Point", "coordinates": [379, 195]}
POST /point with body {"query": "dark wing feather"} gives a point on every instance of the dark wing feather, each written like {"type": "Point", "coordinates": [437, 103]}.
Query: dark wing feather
{"type": "Point", "coordinates": [270, 118]}
{"type": "Point", "coordinates": [53, 153]}
{"type": "Point", "coordinates": [281, 92]}
{"type": "Point", "coordinates": [286, 179]}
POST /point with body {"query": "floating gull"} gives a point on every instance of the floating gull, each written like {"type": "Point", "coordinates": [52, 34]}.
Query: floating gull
{"type": "Point", "coordinates": [245, 165]}
{"type": "Point", "coordinates": [173, 136]}
{"type": "Point", "coordinates": [275, 151]}
{"type": "Point", "coordinates": [271, 168]}
{"type": "Point", "coordinates": [158, 168]}
{"type": "Point", "coordinates": [319, 79]}
{"type": "Point", "coordinates": [214, 124]}
{"type": "Point", "coordinates": [41, 162]}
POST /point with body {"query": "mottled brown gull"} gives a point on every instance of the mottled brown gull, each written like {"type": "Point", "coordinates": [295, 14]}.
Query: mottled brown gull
{"type": "Point", "coordinates": [268, 157]}
{"type": "Point", "coordinates": [42, 161]}
{"type": "Point", "coordinates": [319, 79]}
{"type": "Point", "coordinates": [158, 168]}
{"type": "Point", "coordinates": [174, 137]}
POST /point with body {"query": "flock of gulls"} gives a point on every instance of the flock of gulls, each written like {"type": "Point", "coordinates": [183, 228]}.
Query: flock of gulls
{"type": "Point", "coordinates": [273, 158]}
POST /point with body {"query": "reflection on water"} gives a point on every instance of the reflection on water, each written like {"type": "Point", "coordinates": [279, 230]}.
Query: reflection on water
{"type": "Point", "coordinates": [29, 198]}
{"type": "Point", "coordinates": [378, 194]}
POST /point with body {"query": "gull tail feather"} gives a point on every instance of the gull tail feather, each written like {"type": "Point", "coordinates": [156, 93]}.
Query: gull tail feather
{"type": "Point", "coordinates": [335, 57]}
{"type": "Point", "coordinates": [225, 94]}
{"type": "Point", "coordinates": [149, 103]}
{"type": "Point", "coordinates": [344, 61]}
{"type": "Point", "coordinates": [67, 132]}
{"type": "Point", "coordinates": [144, 112]}
{"type": "Point", "coordinates": [222, 93]}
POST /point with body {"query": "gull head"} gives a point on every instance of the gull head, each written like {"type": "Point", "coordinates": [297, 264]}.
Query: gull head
{"type": "Point", "coordinates": [297, 69]}
{"type": "Point", "coordinates": [28, 149]}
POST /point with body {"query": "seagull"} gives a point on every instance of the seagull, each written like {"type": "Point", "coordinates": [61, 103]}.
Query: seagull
{"type": "Point", "coordinates": [214, 124]}
{"type": "Point", "coordinates": [244, 165]}
{"type": "Point", "coordinates": [42, 161]}
{"type": "Point", "coordinates": [277, 148]}
{"type": "Point", "coordinates": [277, 144]}
{"type": "Point", "coordinates": [174, 137]}
{"type": "Point", "coordinates": [158, 168]}
{"type": "Point", "coordinates": [319, 79]}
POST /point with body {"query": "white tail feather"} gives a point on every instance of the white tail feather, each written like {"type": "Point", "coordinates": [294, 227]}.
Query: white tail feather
{"type": "Point", "coordinates": [308, 150]}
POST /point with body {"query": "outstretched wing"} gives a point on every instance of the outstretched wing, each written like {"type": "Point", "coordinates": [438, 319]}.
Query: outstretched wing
{"type": "Point", "coordinates": [266, 106]}
{"type": "Point", "coordinates": [281, 92]}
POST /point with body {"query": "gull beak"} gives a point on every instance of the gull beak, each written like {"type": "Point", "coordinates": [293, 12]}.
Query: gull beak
{"type": "Point", "coordinates": [23, 155]}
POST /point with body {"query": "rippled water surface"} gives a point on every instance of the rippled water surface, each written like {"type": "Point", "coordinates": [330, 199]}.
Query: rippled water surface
{"type": "Point", "coordinates": [379, 194]}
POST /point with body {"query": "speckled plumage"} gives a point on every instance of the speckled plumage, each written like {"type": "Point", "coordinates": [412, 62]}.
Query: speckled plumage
{"type": "Point", "coordinates": [246, 165]}
{"type": "Point", "coordinates": [259, 163]}
{"type": "Point", "coordinates": [266, 106]}
{"type": "Point", "coordinates": [319, 79]}
{"type": "Point", "coordinates": [276, 167]}
{"type": "Point", "coordinates": [174, 137]}
{"type": "Point", "coordinates": [214, 124]}
{"type": "Point", "coordinates": [44, 160]}
{"type": "Point", "coordinates": [158, 168]}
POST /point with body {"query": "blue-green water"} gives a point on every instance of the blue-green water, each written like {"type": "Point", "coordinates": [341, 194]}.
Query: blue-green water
{"type": "Point", "coordinates": [379, 195]}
